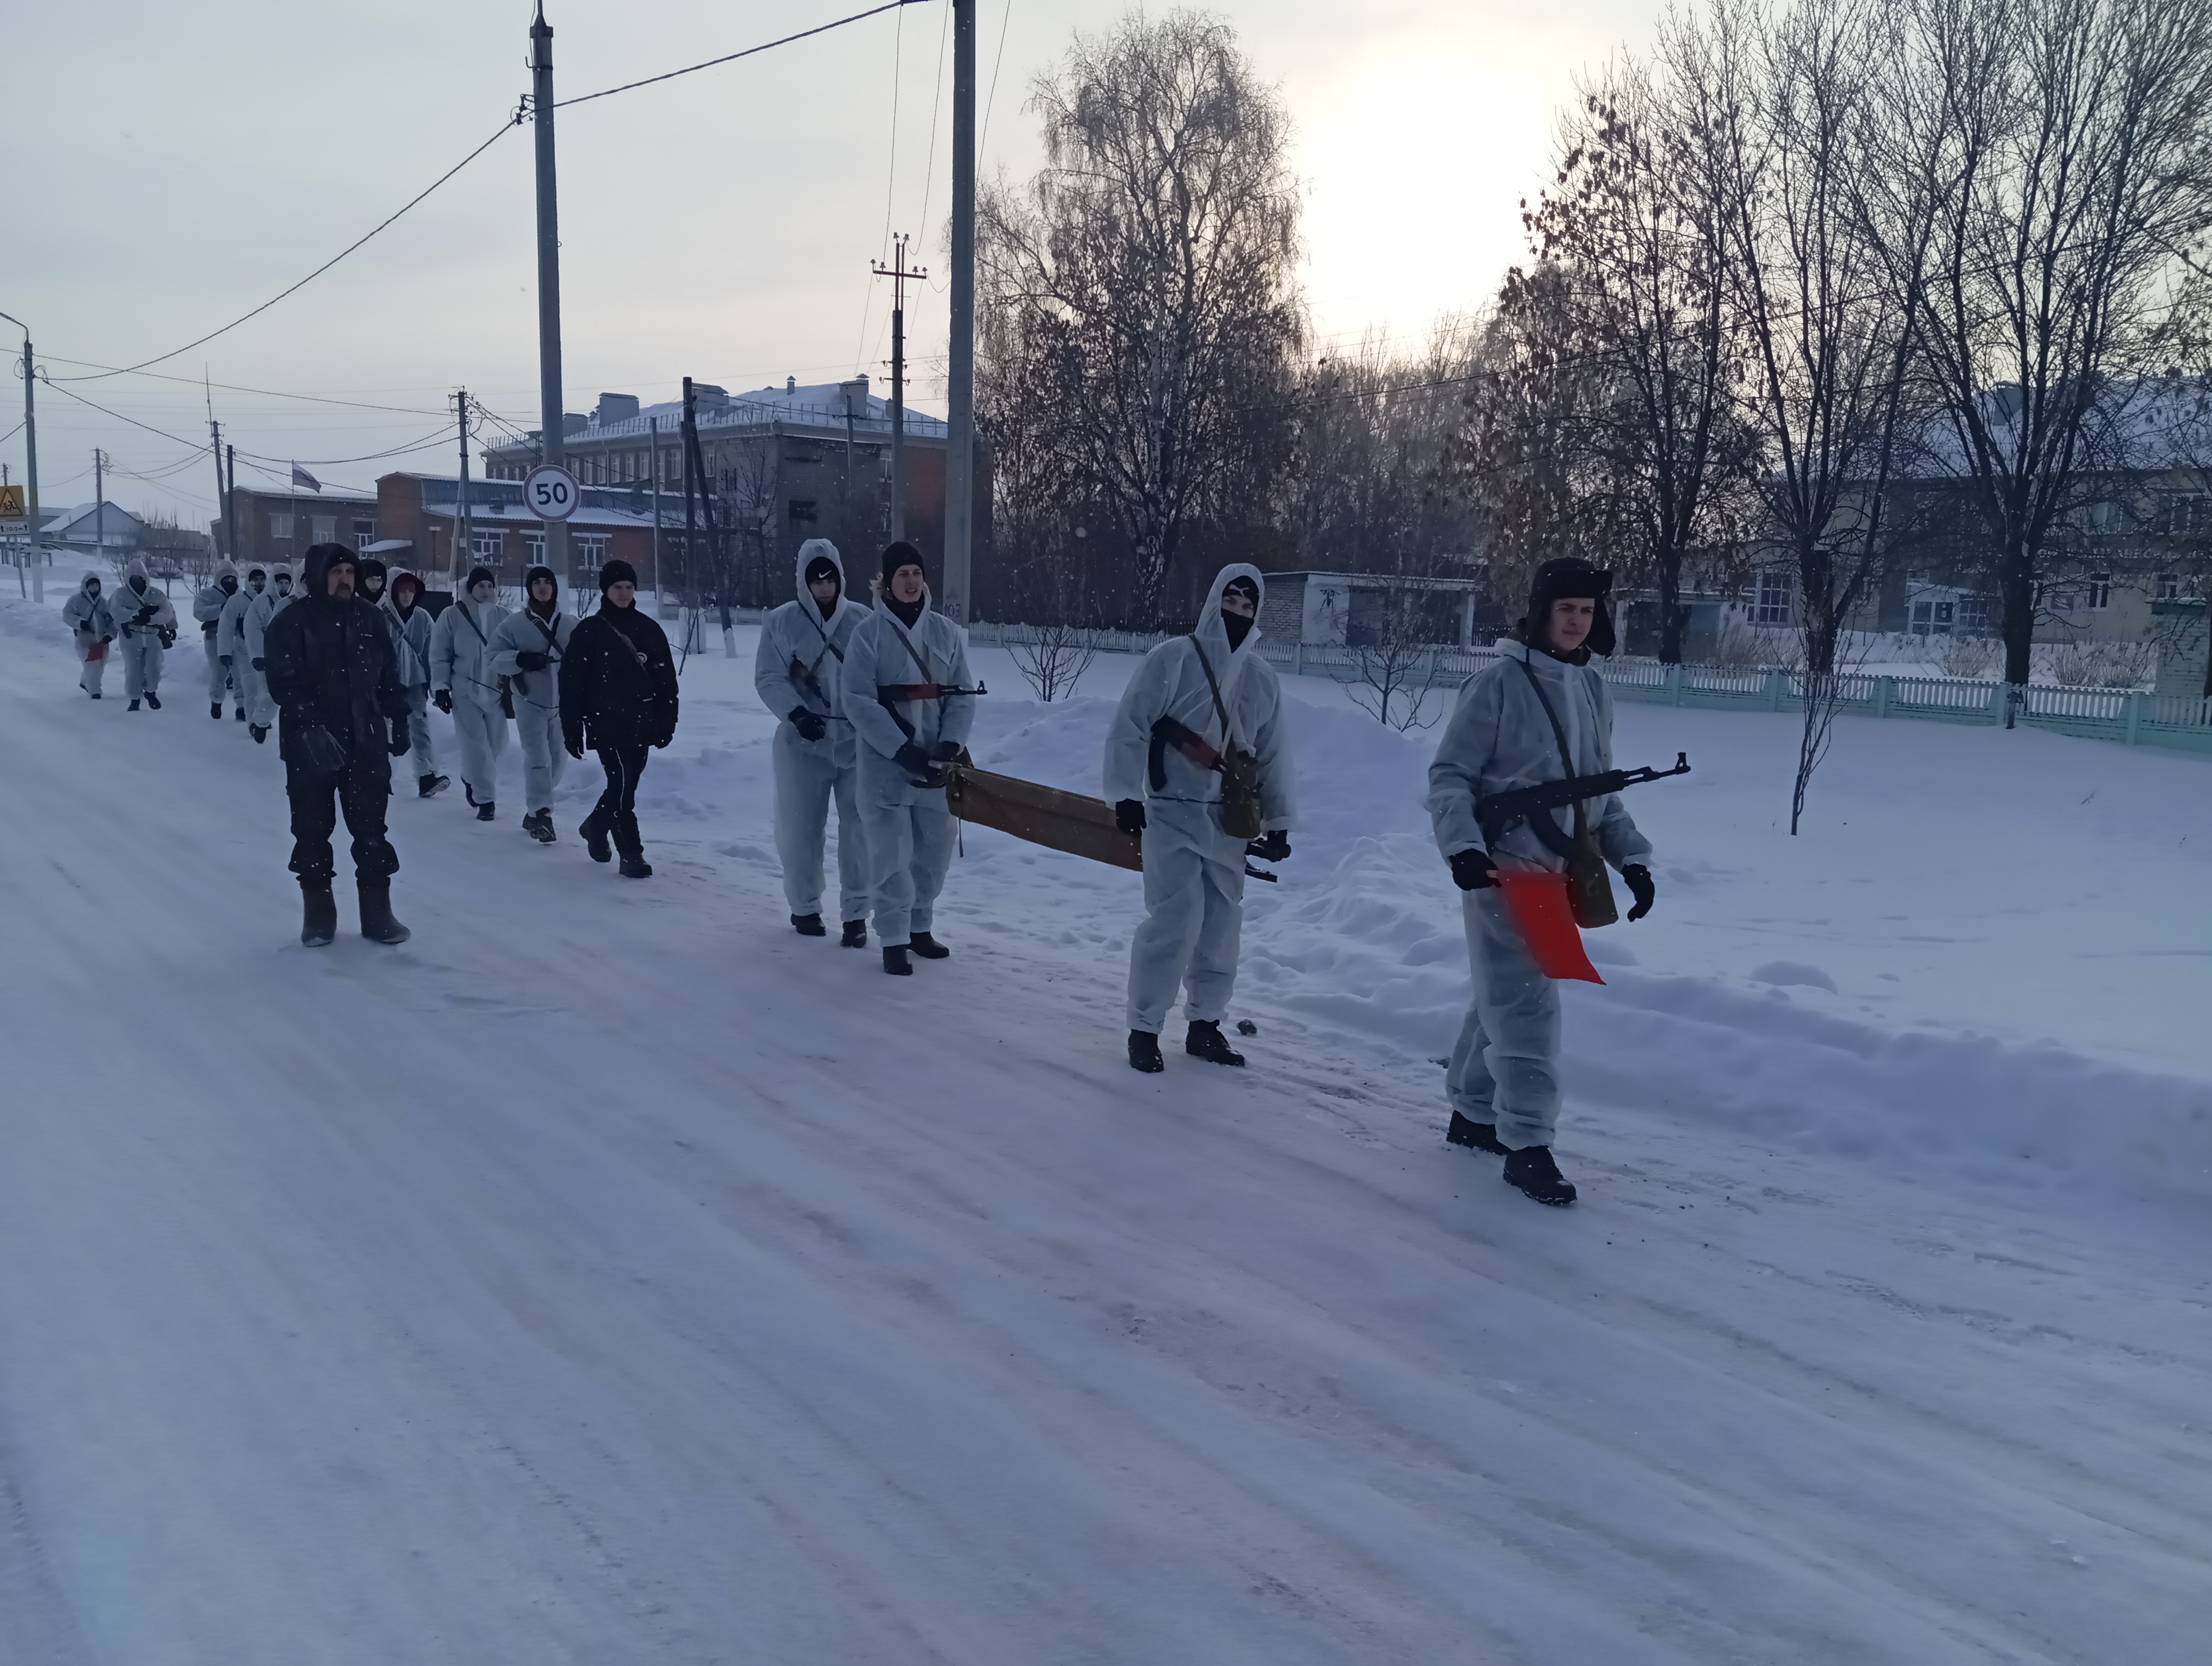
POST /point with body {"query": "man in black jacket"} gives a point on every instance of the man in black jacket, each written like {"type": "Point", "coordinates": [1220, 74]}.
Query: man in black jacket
{"type": "Point", "coordinates": [332, 674]}
{"type": "Point", "coordinates": [618, 691]}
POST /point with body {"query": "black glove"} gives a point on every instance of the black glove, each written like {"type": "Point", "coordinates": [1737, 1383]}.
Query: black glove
{"type": "Point", "coordinates": [808, 723]}
{"type": "Point", "coordinates": [145, 612]}
{"type": "Point", "coordinates": [915, 762]}
{"type": "Point", "coordinates": [225, 658]}
{"type": "Point", "coordinates": [531, 659]}
{"type": "Point", "coordinates": [945, 751]}
{"type": "Point", "coordinates": [1640, 887]}
{"type": "Point", "coordinates": [261, 665]}
{"type": "Point", "coordinates": [401, 740]}
{"type": "Point", "coordinates": [1274, 846]}
{"type": "Point", "coordinates": [574, 742]}
{"type": "Point", "coordinates": [1472, 870]}
{"type": "Point", "coordinates": [1129, 817]}
{"type": "Point", "coordinates": [443, 700]}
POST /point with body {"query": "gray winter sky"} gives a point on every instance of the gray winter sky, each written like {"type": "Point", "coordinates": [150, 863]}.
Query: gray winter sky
{"type": "Point", "coordinates": [170, 166]}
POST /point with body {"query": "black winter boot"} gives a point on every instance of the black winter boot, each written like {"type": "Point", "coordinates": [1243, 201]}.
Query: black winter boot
{"type": "Point", "coordinates": [539, 824]}
{"type": "Point", "coordinates": [377, 923]}
{"type": "Point", "coordinates": [593, 836]}
{"type": "Point", "coordinates": [240, 714]}
{"type": "Point", "coordinates": [927, 946]}
{"type": "Point", "coordinates": [895, 960]}
{"type": "Point", "coordinates": [856, 935]}
{"type": "Point", "coordinates": [1475, 1136]}
{"type": "Point", "coordinates": [258, 731]}
{"type": "Point", "coordinates": [318, 922]}
{"type": "Point", "coordinates": [133, 705]}
{"type": "Point", "coordinates": [809, 924]}
{"type": "Point", "coordinates": [1204, 1041]}
{"type": "Point", "coordinates": [487, 811]}
{"type": "Point", "coordinates": [1533, 1170]}
{"type": "Point", "coordinates": [1145, 1053]}
{"type": "Point", "coordinates": [216, 711]}
{"type": "Point", "coordinates": [429, 786]}
{"type": "Point", "coordinates": [635, 867]}
{"type": "Point", "coordinates": [153, 701]}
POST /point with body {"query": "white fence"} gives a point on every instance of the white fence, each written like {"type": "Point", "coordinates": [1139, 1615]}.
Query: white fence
{"type": "Point", "coordinates": [2123, 714]}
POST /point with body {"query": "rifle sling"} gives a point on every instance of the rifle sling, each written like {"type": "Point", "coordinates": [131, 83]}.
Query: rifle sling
{"type": "Point", "coordinates": [1540, 822]}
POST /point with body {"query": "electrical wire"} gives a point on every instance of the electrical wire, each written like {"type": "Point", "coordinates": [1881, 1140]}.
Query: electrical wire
{"type": "Point", "coordinates": [732, 57]}
{"type": "Point", "coordinates": [929, 161]}
{"type": "Point", "coordinates": [126, 370]}
{"type": "Point", "coordinates": [436, 435]}
{"type": "Point", "coordinates": [997, 63]}
{"type": "Point", "coordinates": [232, 387]}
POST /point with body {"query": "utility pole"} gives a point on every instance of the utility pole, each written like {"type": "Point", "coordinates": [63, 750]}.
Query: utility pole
{"type": "Point", "coordinates": [463, 544]}
{"type": "Point", "coordinates": [898, 271]}
{"type": "Point", "coordinates": [35, 548]}
{"type": "Point", "coordinates": [98, 500]}
{"type": "Point", "coordinates": [690, 629]}
{"type": "Point", "coordinates": [554, 435]}
{"type": "Point", "coordinates": [960, 380]}
{"type": "Point", "coordinates": [215, 439]}
{"type": "Point", "coordinates": [653, 429]}
{"type": "Point", "coordinates": [230, 499]}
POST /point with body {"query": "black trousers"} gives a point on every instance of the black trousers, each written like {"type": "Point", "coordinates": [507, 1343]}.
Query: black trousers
{"type": "Point", "coordinates": [361, 791]}
{"type": "Point", "coordinates": [616, 810]}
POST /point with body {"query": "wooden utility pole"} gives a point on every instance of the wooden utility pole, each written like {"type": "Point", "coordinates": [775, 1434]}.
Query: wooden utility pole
{"type": "Point", "coordinates": [215, 439]}
{"type": "Point", "coordinates": [463, 544]}
{"type": "Point", "coordinates": [898, 271]}
{"type": "Point", "coordinates": [652, 429]}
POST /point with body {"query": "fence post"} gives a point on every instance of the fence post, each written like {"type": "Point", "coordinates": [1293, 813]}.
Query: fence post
{"type": "Point", "coordinates": [1885, 688]}
{"type": "Point", "coordinates": [1298, 658]}
{"type": "Point", "coordinates": [1777, 683]}
{"type": "Point", "coordinates": [2135, 717]}
{"type": "Point", "coordinates": [1674, 680]}
{"type": "Point", "coordinates": [1997, 696]}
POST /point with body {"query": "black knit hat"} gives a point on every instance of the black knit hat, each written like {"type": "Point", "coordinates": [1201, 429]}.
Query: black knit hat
{"type": "Point", "coordinates": [902, 553]}
{"type": "Point", "coordinates": [1570, 577]}
{"type": "Point", "coordinates": [480, 575]}
{"type": "Point", "coordinates": [367, 568]}
{"type": "Point", "coordinates": [538, 573]}
{"type": "Point", "coordinates": [614, 573]}
{"type": "Point", "coordinates": [823, 568]}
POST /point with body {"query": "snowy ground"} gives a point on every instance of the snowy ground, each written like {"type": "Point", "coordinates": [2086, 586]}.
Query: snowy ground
{"type": "Point", "coordinates": [609, 1274]}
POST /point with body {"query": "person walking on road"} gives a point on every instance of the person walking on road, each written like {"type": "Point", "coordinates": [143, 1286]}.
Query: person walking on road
{"type": "Point", "coordinates": [526, 649]}
{"type": "Point", "coordinates": [230, 639]}
{"type": "Point", "coordinates": [92, 622]}
{"type": "Point", "coordinates": [1540, 712]}
{"type": "Point", "coordinates": [1198, 766]}
{"type": "Point", "coordinates": [409, 622]}
{"type": "Point", "coordinates": [148, 624]}
{"type": "Point", "coordinates": [466, 688]}
{"type": "Point", "coordinates": [799, 674]}
{"type": "Point", "coordinates": [617, 697]}
{"type": "Point", "coordinates": [207, 609]}
{"type": "Point", "coordinates": [333, 673]}
{"type": "Point", "coordinates": [907, 692]}
{"type": "Point", "coordinates": [267, 607]}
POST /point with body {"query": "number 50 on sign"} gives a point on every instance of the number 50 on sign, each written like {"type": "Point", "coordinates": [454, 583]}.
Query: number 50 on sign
{"type": "Point", "coordinates": [550, 492]}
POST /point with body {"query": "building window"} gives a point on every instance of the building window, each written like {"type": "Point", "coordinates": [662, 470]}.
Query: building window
{"type": "Point", "coordinates": [2183, 513]}
{"type": "Point", "coordinates": [326, 528]}
{"type": "Point", "coordinates": [2099, 592]}
{"type": "Point", "coordinates": [280, 526]}
{"type": "Point", "coordinates": [1766, 598]}
{"type": "Point", "coordinates": [364, 534]}
{"type": "Point", "coordinates": [2167, 587]}
{"type": "Point", "coordinates": [1974, 615]}
{"type": "Point", "coordinates": [802, 510]}
{"type": "Point", "coordinates": [591, 550]}
{"type": "Point", "coordinates": [533, 546]}
{"type": "Point", "coordinates": [488, 545]}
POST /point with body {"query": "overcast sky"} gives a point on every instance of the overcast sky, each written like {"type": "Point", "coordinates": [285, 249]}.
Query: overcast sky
{"type": "Point", "coordinates": [171, 166]}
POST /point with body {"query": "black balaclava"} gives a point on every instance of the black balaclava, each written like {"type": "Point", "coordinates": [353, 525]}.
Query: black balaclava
{"type": "Point", "coordinates": [895, 555]}
{"type": "Point", "coordinates": [1558, 580]}
{"type": "Point", "coordinates": [823, 568]}
{"type": "Point", "coordinates": [531, 601]}
{"type": "Point", "coordinates": [368, 579]}
{"type": "Point", "coordinates": [413, 587]}
{"type": "Point", "coordinates": [1237, 624]}
{"type": "Point", "coordinates": [228, 584]}
{"type": "Point", "coordinates": [138, 582]}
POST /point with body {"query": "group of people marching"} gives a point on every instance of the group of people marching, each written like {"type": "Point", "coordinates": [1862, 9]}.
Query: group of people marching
{"type": "Point", "coordinates": [875, 704]}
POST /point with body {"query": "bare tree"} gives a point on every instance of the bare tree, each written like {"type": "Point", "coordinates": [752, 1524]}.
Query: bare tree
{"type": "Point", "coordinates": [1392, 669]}
{"type": "Point", "coordinates": [1633, 225]}
{"type": "Point", "coordinates": [1145, 280]}
{"type": "Point", "coordinates": [1827, 303]}
{"type": "Point", "coordinates": [2077, 177]}
{"type": "Point", "coordinates": [1055, 656]}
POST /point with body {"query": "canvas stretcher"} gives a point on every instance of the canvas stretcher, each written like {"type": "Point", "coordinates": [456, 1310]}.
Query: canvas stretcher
{"type": "Point", "coordinates": [1041, 815]}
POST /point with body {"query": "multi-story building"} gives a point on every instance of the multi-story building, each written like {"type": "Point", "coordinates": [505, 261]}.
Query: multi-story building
{"type": "Point", "coordinates": [784, 464]}
{"type": "Point", "coordinates": [419, 516]}
{"type": "Point", "coordinates": [278, 526]}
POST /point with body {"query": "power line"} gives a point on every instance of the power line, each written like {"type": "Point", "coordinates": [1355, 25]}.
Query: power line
{"type": "Point", "coordinates": [232, 387]}
{"type": "Point", "coordinates": [997, 63]}
{"type": "Point", "coordinates": [126, 370]}
{"type": "Point", "coordinates": [732, 57]}
{"type": "Point", "coordinates": [200, 447]}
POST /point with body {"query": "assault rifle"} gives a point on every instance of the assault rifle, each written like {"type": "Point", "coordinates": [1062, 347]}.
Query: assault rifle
{"type": "Point", "coordinates": [1501, 813]}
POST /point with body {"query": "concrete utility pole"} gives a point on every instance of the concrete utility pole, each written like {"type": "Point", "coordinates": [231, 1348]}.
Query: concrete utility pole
{"type": "Point", "coordinates": [960, 380]}
{"type": "Point", "coordinates": [464, 546]}
{"type": "Point", "coordinates": [653, 432]}
{"type": "Point", "coordinates": [98, 500]}
{"type": "Point", "coordinates": [553, 440]}
{"type": "Point", "coordinates": [898, 271]}
{"type": "Point", "coordinates": [215, 445]}
{"type": "Point", "coordinates": [34, 546]}
{"type": "Point", "coordinates": [230, 499]}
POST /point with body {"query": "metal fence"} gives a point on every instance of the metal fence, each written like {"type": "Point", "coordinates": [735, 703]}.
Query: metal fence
{"type": "Point", "coordinates": [2128, 715]}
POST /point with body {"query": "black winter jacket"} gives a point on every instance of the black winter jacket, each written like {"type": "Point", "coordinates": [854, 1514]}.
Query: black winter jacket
{"type": "Point", "coordinates": [617, 693]}
{"type": "Point", "coordinates": [330, 663]}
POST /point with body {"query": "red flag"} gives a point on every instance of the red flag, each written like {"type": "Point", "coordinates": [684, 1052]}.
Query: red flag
{"type": "Point", "coordinates": [1537, 900]}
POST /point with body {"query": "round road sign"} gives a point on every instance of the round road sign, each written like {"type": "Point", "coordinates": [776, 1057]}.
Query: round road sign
{"type": "Point", "coordinates": [550, 492]}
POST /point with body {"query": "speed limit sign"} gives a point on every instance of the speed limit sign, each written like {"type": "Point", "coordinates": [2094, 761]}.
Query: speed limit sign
{"type": "Point", "coordinates": [550, 492]}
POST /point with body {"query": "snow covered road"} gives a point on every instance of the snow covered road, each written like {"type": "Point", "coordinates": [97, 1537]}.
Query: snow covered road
{"type": "Point", "coordinates": [609, 1275]}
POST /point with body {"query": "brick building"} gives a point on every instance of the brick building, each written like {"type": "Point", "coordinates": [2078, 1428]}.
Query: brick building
{"type": "Point", "coordinates": [418, 516]}
{"type": "Point", "coordinates": [278, 526]}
